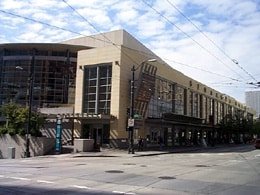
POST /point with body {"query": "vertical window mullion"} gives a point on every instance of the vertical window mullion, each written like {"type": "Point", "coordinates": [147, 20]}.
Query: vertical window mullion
{"type": "Point", "coordinates": [97, 91]}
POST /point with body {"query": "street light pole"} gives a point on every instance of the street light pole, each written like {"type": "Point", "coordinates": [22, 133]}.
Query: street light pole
{"type": "Point", "coordinates": [31, 85]}
{"type": "Point", "coordinates": [131, 129]}
{"type": "Point", "coordinates": [132, 105]}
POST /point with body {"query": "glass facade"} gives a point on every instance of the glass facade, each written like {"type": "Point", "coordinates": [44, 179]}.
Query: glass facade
{"type": "Point", "coordinates": [54, 76]}
{"type": "Point", "coordinates": [162, 100]}
{"type": "Point", "coordinates": [97, 88]}
{"type": "Point", "coordinates": [179, 100]}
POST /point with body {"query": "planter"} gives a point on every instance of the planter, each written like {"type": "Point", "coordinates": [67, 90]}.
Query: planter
{"type": "Point", "coordinates": [83, 145]}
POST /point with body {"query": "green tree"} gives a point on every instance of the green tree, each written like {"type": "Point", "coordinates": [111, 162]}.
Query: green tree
{"type": "Point", "coordinates": [256, 128]}
{"type": "Point", "coordinates": [17, 119]}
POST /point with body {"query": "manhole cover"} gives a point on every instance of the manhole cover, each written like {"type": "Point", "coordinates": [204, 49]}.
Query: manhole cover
{"type": "Point", "coordinates": [40, 167]}
{"type": "Point", "coordinates": [129, 164]}
{"type": "Point", "coordinates": [167, 177]}
{"type": "Point", "coordinates": [201, 166]}
{"type": "Point", "coordinates": [80, 164]}
{"type": "Point", "coordinates": [114, 171]}
{"type": "Point", "coordinates": [143, 166]}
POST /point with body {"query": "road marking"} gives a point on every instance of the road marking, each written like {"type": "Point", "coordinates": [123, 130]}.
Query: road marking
{"type": "Point", "coordinates": [20, 178]}
{"type": "Point", "coordinates": [44, 181]}
{"type": "Point", "coordinates": [127, 193]}
{"type": "Point", "coordinates": [118, 192]}
{"type": "Point", "coordinates": [81, 187]}
{"type": "Point", "coordinates": [258, 155]}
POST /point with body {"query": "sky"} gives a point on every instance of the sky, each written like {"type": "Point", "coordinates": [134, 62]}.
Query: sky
{"type": "Point", "coordinates": [216, 42]}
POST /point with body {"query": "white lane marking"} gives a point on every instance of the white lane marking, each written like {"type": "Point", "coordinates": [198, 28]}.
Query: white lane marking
{"type": "Point", "coordinates": [258, 155]}
{"type": "Point", "coordinates": [81, 187]}
{"type": "Point", "coordinates": [2, 176]}
{"type": "Point", "coordinates": [127, 193]}
{"type": "Point", "coordinates": [20, 178]}
{"type": "Point", "coordinates": [44, 181]}
{"type": "Point", "coordinates": [118, 192]}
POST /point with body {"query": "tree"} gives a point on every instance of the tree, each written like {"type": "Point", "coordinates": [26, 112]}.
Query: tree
{"type": "Point", "coordinates": [17, 119]}
{"type": "Point", "coordinates": [256, 128]}
{"type": "Point", "coordinates": [235, 126]}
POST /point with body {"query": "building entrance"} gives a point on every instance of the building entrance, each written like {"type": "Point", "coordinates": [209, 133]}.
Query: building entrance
{"type": "Point", "coordinates": [98, 132]}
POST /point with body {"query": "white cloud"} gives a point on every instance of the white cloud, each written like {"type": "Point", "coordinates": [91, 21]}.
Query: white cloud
{"type": "Point", "coordinates": [12, 4]}
{"type": "Point", "coordinates": [233, 25]}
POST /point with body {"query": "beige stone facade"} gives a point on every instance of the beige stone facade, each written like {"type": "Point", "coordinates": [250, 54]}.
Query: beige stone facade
{"type": "Point", "coordinates": [179, 107]}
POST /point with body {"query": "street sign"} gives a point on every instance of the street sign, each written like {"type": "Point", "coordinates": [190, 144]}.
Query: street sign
{"type": "Point", "coordinates": [131, 122]}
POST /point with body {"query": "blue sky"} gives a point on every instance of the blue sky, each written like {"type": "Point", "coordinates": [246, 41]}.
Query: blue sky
{"type": "Point", "coordinates": [231, 30]}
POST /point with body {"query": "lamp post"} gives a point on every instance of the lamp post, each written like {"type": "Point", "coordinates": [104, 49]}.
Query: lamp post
{"type": "Point", "coordinates": [31, 84]}
{"type": "Point", "coordinates": [132, 105]}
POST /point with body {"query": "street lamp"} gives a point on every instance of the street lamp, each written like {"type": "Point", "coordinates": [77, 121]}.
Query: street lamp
{"type": "Point", "coordinates": [132, 106]}
{"type": "Point", "coordinates": [31, 84]}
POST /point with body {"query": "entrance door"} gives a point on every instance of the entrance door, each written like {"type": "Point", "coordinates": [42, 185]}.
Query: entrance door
{"type": "Point", "coordinates": [97, 135]}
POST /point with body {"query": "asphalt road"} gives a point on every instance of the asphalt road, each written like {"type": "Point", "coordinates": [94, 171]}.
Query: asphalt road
{"type": "Point", "coordinates": [233, 170]}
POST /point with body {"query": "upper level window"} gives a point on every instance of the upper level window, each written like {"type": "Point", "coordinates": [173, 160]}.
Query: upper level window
{"type": "Point", "coordinates": [97, 88]}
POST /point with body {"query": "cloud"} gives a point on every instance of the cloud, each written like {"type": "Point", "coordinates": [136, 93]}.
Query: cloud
{"type": "Point", "coordinates": [233, 25]}
{"type": "Point", "coordinates": [12, 4]}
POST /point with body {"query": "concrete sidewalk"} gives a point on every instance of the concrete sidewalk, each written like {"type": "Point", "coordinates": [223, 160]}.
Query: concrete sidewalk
{"type": "Point", "coordinates": [110, 152]}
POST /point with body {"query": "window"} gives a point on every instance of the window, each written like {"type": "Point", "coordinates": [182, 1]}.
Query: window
{"type": "Point", "coordinates": [53, 81]}
{"type": "Point", "coordinates": [97, 88]}
{"type": "Point", "coordinates": [179, 100]}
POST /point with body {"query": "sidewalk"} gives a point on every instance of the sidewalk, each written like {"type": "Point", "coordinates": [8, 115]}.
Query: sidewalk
{"type": "Point", "coordinates": [110, 152]}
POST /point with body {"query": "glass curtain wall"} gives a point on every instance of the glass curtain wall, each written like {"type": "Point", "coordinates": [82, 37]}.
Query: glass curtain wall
{"type": "Point", "coordinates": [161, 101]}
{"type": "Point", "coordinates": [97, 89]}
{"type": "Point", "coordinates": [54, 77]}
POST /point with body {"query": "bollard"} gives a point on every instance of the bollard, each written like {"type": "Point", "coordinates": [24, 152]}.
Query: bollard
{"type": "Point", "coordinates": [11, 152]}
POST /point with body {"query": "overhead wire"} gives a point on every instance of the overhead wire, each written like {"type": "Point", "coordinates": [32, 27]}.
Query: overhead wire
{"type": "Point", "coordinates": [207, 37]}
{"type": "Point", "coordinates": [187, 35]}
{"type": "Point", "coordinates": [93, 26]}
{"type": "Point", "coordinates": [50, 25]}
{"type": "Point", "coordinates": [109, 41]}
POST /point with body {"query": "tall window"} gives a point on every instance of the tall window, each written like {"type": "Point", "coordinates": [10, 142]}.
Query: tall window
{"type": "Point", "coordinates": [179, 100]}
{"type": "Point", "coordinates": [97, 88]}
{"type": "Point", "coordinates": [191, 104]}
{"type": "Point", "coordinates": [161, 101]}
{"type": "Point", "coordinates": [196, 105]}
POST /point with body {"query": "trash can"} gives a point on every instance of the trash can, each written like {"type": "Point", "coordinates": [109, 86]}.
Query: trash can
{"type": "Point", "coordinates": [11, 152]}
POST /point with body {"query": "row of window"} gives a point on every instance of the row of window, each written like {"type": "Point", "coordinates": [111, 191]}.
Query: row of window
{"type": "Point", "coordinates": [173, 98]}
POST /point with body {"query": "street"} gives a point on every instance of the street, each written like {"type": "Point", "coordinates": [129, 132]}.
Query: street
{"type": "Point", "coordinates": [232, 170]}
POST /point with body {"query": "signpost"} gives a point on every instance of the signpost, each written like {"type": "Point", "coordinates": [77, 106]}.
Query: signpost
{"type": "Point", "coordinates": [58, 135]}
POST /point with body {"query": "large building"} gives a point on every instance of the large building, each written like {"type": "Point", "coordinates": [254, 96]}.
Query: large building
{"type": "Point", "coordinates": [114, 78]}
{"type": "Point", "coordinates": [253, 101]}
{"type": "Point", "coordinates": [167, 104]}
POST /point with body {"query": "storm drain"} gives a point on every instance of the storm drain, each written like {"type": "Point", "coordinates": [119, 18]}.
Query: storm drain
{"type": "Point", "coordinates": [129, 164]}
{"type": "Point", "coordinates": [166, 177]}
{"type": "Point", "coordinates": [201, 165]}
{"type": "Point", "coordinates": [114, 171]}
{"type": "Point", "coordinates": [80, 164]}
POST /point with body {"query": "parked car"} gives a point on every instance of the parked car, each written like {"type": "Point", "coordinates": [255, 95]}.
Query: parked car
{"type": "Point", "coordinates": [257, 143]}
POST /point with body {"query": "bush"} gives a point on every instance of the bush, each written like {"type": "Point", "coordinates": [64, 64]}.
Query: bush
{"type": "Point", "coordinates": [3, 130]}
{"type": "Point", "coordinates": [17, 119]}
